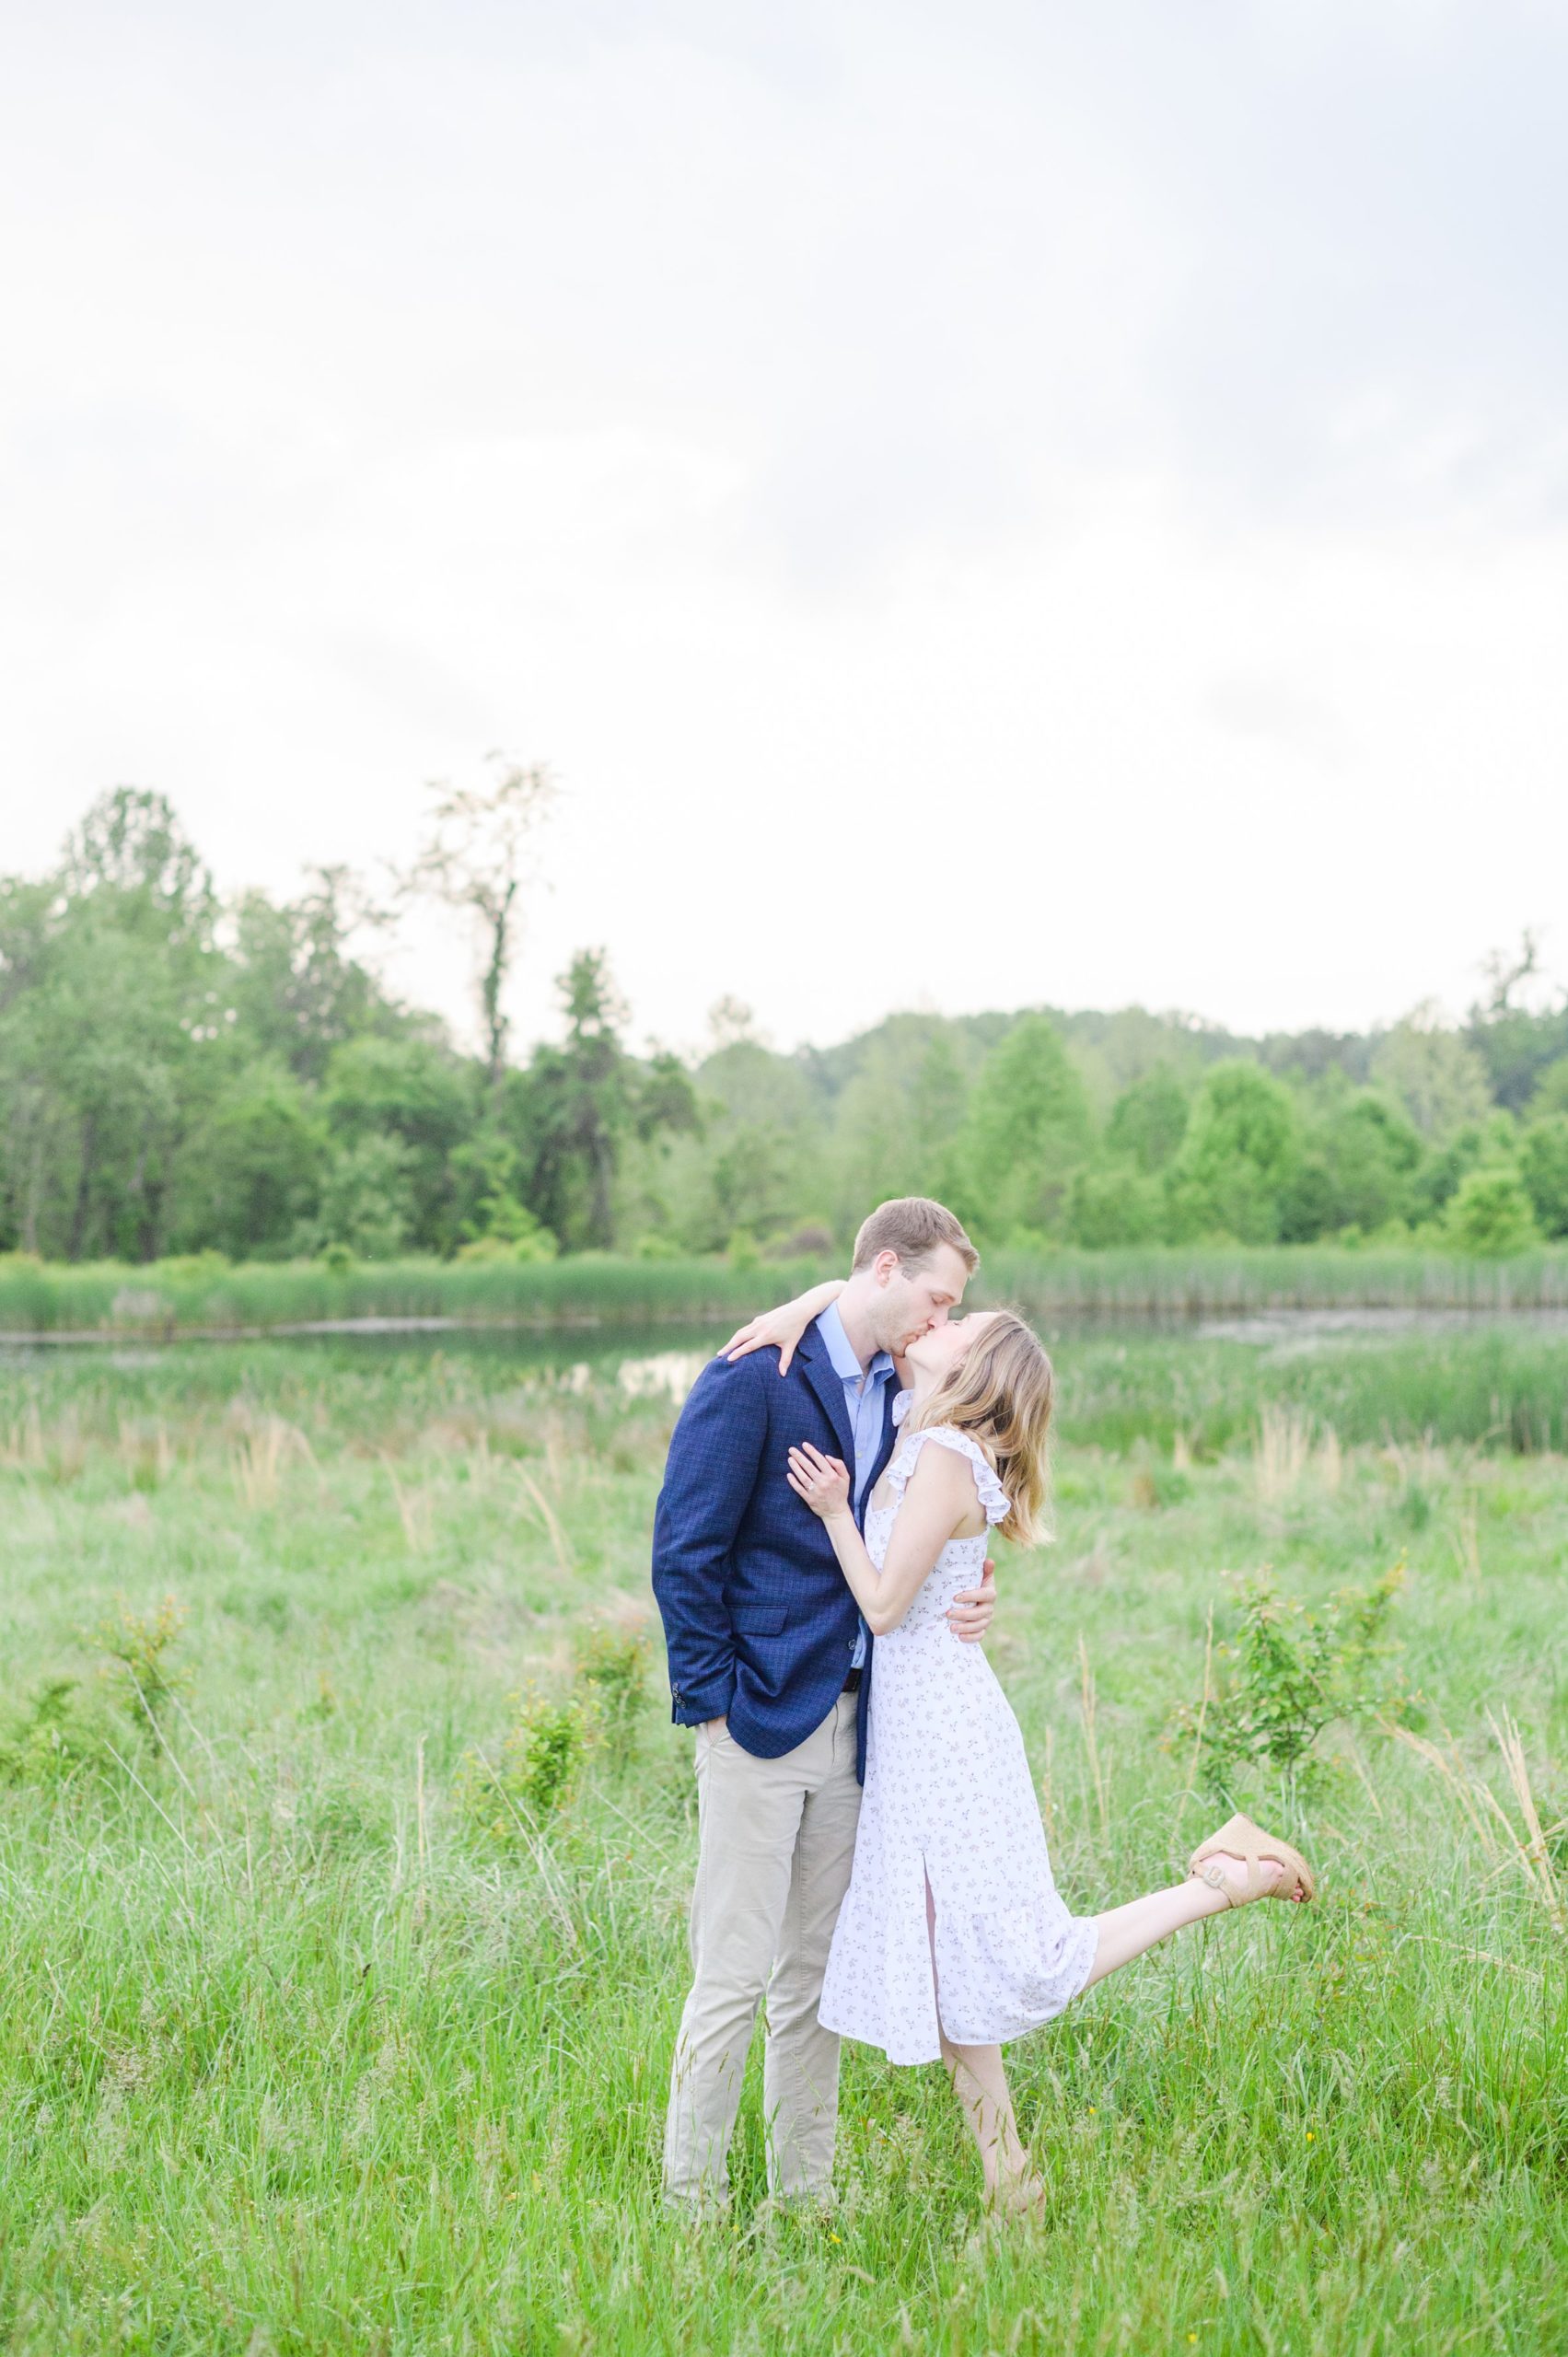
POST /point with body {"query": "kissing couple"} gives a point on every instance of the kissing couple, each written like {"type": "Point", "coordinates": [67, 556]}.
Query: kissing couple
{"type": "Point", "coordinates": [871, 1859]}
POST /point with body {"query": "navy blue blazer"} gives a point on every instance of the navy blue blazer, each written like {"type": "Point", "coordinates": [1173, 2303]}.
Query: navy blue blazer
{"type": "Point", "coordinates": [758, 1620]}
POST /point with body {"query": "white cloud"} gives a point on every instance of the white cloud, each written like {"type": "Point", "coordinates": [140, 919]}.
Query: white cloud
{"type": "Point", "coordinates": [976, 508]}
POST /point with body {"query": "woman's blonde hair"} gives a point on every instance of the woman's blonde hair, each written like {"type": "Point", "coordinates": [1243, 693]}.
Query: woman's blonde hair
{"type": "Point", "coordinates": [1001, 1392]}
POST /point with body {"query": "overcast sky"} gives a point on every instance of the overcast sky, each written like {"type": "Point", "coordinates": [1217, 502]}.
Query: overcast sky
{"type": "Point", "coordinates": [977, 504]}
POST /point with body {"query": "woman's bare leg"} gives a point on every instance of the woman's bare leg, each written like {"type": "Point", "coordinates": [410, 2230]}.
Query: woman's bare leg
{"type": "Point", "coordinates": [978, 2078]}
{"type": "Point", "coordinates": [1125, 1932]}
{"type": "Point", "coordinates": [979, 2084]}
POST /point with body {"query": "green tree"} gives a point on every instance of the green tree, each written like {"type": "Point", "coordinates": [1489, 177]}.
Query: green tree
{"type": "Point", "coordinates": [112, 1006]}
{"type": "Point", "coordinates": [1434, 1074]}
{"type": "Point", "coordinates": [254, 1171]}
{"type": "Point", "coordinates": [1357, 1169]}
{"type": "Point", "coordinates": [1517, 1043]}
{"type": "Point", "coordinates": [294, 988]}
{"type": "Point", "coordinates": [1114, 1203]}
{"type": "Point", "coordinates": [131, 853]}
{"type": "Point", "coordinates": [1479, 1144]}
{"type": "Point", "coordinates": [1543, 1168]}
{"type": "Point", "coordinates": [878, 1150]}
{"type": "Point", "coordinates": [367, 1200]}
{"type": "Point", "coordinates": [1028, 1131]}
{"type": "Point", "coordinates": [1241, 1152]}
{"type": "Point", "coordinates": [898, 1119]}
{"type": "Point", "coordinates": [756, 1161]}
{"type": "Point", "coordinates": [1551, 1089]}
{"type": "Point", "coordinates": [1490, 1215]}
{"type": "Point", "coordinates": [938, 1106]}
{"type": "Point", "coordinates": [585, 1098]}
{"type": "Point", "coordinates": [418, 1092]}
{"type": "Point", "coordinates": [1148, 1121]}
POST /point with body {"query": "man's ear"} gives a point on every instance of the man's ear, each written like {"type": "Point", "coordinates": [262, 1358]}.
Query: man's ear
{"type": "Point", "coordinates": [885, 1267]}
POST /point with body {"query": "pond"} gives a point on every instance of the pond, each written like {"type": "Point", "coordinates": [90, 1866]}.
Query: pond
{"type": "Point", "coordinates": [652, 1361]}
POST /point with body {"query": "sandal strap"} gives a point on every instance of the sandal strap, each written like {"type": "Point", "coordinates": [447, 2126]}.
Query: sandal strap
{"type": "Point", "coordinates": [1241, 1839]}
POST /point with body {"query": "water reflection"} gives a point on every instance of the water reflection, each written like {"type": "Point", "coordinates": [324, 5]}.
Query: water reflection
{"type": "Point", "coordinates": [573, 1359]}
{"type": "Point", "coordinates": [665, 1371]}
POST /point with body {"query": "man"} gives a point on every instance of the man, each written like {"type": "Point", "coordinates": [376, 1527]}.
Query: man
{"type": "Point", "coordinates": [770, 1662]}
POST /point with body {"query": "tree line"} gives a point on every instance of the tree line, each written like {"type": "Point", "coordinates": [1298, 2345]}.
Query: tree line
{"type": "Point", "coordinates": [182, 1074]}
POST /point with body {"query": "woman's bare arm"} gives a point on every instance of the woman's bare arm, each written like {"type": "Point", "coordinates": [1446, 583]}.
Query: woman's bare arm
{"type": "Point", "coordinates": [784, 1326]}
{"type": "Point", "coordinates": [940, 1504]}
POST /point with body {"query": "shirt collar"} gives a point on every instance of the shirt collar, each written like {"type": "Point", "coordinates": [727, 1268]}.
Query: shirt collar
{"type": "Point", "coordinates": [846, 1365]}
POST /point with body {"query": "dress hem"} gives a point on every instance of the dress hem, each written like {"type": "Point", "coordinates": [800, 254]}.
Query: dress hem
{"type": "Point", "coordinates": [1001, 2037]}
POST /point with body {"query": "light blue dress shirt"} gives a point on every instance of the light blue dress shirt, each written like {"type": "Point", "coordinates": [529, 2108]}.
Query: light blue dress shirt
{"type": "Point", "coordinates": [863, 1398]}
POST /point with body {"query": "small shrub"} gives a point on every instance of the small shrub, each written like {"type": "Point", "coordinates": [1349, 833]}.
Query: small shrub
{"type": "Point", "coordinates": [612, 1661]}
{"type": "Point", "coordinates": [193, 1267]}
{"type": "Point", "coordinates": [533, 1775]}
{"type": "Point", "coordinates": [1290, 1671]}
{"type": "Point", "coordinates": [1490, 1216]}
{"type": "Point", "coordinates": [504, 1229]}
{"type": "Point", "coordinates": [54, 1740]}
{"type": "Point", "coordinates": [138, 1645]}
{"type": "Point", "coordinates": [539, 1245]}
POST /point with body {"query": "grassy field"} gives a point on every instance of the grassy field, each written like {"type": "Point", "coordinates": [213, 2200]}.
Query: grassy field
{"type": "Point", "coordinates": [314, 2041]}
{"type": "Point", "coordinates": [206, 1294]}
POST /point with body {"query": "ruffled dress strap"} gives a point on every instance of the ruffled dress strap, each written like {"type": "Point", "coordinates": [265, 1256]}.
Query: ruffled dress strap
{"type": "Point", "coordinates": [995, 1501]}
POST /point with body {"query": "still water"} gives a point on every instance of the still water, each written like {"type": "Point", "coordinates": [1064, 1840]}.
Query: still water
{"type": "Point", "coordinates": [645, 1361]}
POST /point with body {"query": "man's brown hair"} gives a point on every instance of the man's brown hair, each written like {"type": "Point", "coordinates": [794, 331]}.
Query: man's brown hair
{"type": "Point", "coordinates": [912, 1226]}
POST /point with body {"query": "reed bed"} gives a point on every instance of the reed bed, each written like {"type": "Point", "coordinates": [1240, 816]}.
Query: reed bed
{"type": "Point", "coordinates": [205, 1296]}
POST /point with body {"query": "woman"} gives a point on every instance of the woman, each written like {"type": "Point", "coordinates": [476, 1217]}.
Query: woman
{"type": "Point", "coordinates": [953, 1938]}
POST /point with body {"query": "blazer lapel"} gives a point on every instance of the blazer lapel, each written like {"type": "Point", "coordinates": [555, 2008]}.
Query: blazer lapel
{"type": "Point", "coordinates": [890, 1432]}
{"type": "Point", "coordinates": [828, 1385]}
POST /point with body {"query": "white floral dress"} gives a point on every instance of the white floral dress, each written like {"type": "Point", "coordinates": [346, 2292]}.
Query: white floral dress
{"type": "Point", "coordinates": [948, 1798]}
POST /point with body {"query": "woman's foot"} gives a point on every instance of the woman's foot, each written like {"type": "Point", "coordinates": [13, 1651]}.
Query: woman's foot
{"type": "Point", "coordinates": [1023, 2196]}
{"type": "Point", "coordinates": [1242, 1863]}
{"type": "Point", "coordinates": [1220, 1871]}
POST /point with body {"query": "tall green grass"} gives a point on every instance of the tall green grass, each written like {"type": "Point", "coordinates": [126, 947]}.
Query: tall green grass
{"type": "Point", "coordinates": [1495, 1387]}
{"type": "Point", "coordinates": [1210, 1280]}
{"type": "Point", "coordinates": [204, 1295]}
{"type": "Point", "coordinates": [1492, 1386]}
{"type": "Point", "coordinates": [296, 2059]}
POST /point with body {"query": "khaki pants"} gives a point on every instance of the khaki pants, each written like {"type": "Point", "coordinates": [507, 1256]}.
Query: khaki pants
{"type": "Point", "coordinates": [776, 1845]}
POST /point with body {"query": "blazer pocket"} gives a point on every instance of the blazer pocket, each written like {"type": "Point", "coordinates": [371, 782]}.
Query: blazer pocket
{"type": "Point", "coordinates": [758, 1619]}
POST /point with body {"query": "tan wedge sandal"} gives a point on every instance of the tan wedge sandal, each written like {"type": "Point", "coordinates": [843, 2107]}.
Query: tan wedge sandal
{"type": "Point", "coordinates": [1241, 1839]}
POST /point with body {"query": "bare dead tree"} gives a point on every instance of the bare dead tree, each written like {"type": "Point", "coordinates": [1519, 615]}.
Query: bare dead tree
{"type": "Point", "coordinates": [1504, 972]}
{"type": "Point", "coordinates": [477, 857]}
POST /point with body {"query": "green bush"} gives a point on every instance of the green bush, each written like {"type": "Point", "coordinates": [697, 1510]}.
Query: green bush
{"type": "Point", "coordinates": [612, 1663]}
{"type": "Point", "coordinates": [1290, 1671]}
{"type": "Point", "coordinates": [55, 1741]}
{"type": "Point", "coordinates": [1490, 1216]}
{"type": "Point", "coordinates": [138, 1645]}
{"type": "Point", "coordinates": [1543, 1166]}
{"type": "Point", "coordinates": [507, 1795]}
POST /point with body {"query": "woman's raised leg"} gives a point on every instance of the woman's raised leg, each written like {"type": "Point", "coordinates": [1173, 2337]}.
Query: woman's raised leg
{"type": "Point", "coordinates": [1127, 1930]}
